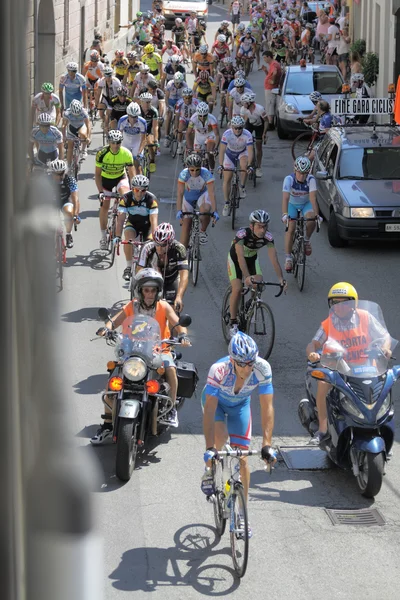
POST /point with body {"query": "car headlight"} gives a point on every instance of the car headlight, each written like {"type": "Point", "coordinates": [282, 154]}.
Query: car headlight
{"type": "Point", "coordinates": [362, 213]}
{"type": "Point", "coordinates": [384, 408]}
{"type": "Point", "coordinates": [346, 211]}
{"type": "Point", "coordinates": [291, 109]}
{"type": "Point", "coordinates": [134, 369]}
{"type": "Point", "coordinates": [352, 409]}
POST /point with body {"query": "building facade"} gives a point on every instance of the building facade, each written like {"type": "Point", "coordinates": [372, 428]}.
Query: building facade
{"type": "Point", "coordinates": [378, 23]}
{"type": "Point", "coordinates": [59, 31]}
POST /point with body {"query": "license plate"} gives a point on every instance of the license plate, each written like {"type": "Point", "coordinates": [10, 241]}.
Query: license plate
{"type": "Point", "coordinates": [392, 227]}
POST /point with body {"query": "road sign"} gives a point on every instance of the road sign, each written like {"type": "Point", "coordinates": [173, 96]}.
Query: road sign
{"type": "Point", "coordinates": [362, 106]}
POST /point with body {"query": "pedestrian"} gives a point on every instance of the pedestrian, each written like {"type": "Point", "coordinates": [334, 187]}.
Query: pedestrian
{"type": "Point", "coordinates": [355, 63]}
{"type": "Point", "coordinates": [344, 51]}
{"type": "Point", "coordinates": [235, 10]}
{"type": "Point", "coordinates": [273, 73]}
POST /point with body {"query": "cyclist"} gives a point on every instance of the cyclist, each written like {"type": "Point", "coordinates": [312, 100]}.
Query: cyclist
{"type": "Point", "coordinates": [93, 70]}
{"type": "Point", "coordinates": [170, 49]}
{"type": "Point", "coordinates": [299, 192]}
{"type": "Point", "coordinates": [137, 214]}
{"type": "Point", "coordinates": [195, 191]}
{"type": "Point", "coordinates": [158, 99]}
{"type": "Point", "coordinates": [113, 163]}
{"type": "Point", "coordinates": [184, 110]}
{"type": "Point", "coordinates": [203, 60]}
{"type": "Point", "coordinates": [158, 32]}
{"type": "Point", "coordinates": [132, 70]}
{"type": "Point", "coordinates": [220, 49]}
{"type": "Point", "coordinates": [168, 256]}
{"type": "Point", "coordinates": [256, 119]}
{"type": "Point", "coordinates": [226, 403]}
{"type": "Point", "coordinates": [203, 133]}
{"type": "Point", "coordinates": [74, 86]}
{"type": "Point", "coordinates": [239, 74]}
{"type": "Point", "coordinates": [205, 90]}
{"type": "Point", "coordinates": [150, 115]}
{"type": "Point", "coordinates": [179, 31]}
{"type": "Point", "coordinates": [236, 147]}
{"type": "Point", "coordinates": [120, 64]}
{"type": "Point", "coordinates": [118, 106]}
{"type": "Point", "coordinates": [105, 89]}
{"type": "Point", "coordinates": [76, 124]}
{"type": "Point", "coordinates": [247, 46]}
{"type": "Point", "coordinates": [234, 97]}
{"type": "Point", "coordinates": [243, 261]}
{"type": "Point", "coordinates": [67, 191]}
{"type": "Point", "coordinates": [324, 119]}
{"type": "Point", "coordinates": [235, 9]}
{"type": "Point", "coordinates": [153, 60]}
{"type": "Point", "coordinates": [315, 97]}
{"type": "Point", "coordinates": [46, 102]}
{"type": "Point", "coordinates": [257, 33]}
{"type": "Point", "coordinates": [237, 35]}
{"type": "Point", "coordinates": [134, 129]}
{"type": "Point", "coordinates": [173, 66]}
{"type": "Point", "coordinates": [147, 301]}
{"type": "Point", "coordinates": [47, 139]}
{"type": "Point", "coordinates": [223, 29]}
{"type": "Point", "coordinates": [191, 24]}
{"type": "Point", "coordinates": [359, 89]}
{"type": "Point", "coordinates": [226, 74]}
{"type": "Point", "coordinates": [141, 80]}
{"type": "Point", "coordinates": [173, 93]}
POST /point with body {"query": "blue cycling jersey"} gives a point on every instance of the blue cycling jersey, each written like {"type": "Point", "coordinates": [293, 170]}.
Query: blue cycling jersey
{"type": "Point", "coordinates": [195, 186]}
{"type": "Point", "coordinates": [47, 141]}
{"type": "Point", "coordinates": [299, 191]}
{"type": "Point", "coordinates": [232, 85]}
{"type": "Point", "coordinates": [221, 381]}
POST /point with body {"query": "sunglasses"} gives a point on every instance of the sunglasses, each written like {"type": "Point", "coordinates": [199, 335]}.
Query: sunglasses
{"type": "Point", "coordinates": [195, 169]}
{"type": "Point", "coordinates": [245, 364]}
{"type": "Point", "coordinates": [138, 189]}
{"type": "Point", "coordinates": [238, 128]}
{"type": "Point", "coordinates": [116, 143]}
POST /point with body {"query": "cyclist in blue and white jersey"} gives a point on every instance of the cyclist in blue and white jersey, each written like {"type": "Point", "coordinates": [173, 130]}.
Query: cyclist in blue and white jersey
{"type": "Point", "coordinates": [299, 192]}
{"type": "Point", "coordinates": [67, 191]}
{"type": "Point", "coordinates": [76, 124]}
{"type": "Point", "coordinates": [48, 140]}
{"type": "Point", "coordinates": [239, 74]}
{"type": "Point", "coordinates": [195, 191]}
{"type": "Point", "coordinates": [236, 147]}
{"type": "Point", "coordinates": [226, 402]}
{"type": "Point", "coordinates": [234, 95]}
{"type": "Point", "coordinates": [247, 45]}
{"type": "Point", "coordinates": [173, 93]}
{"type": "Point", "coordinates": [134, 128]}
{"type": "Point", "coordinates": [203, 133]}
{"type": "Point", "coordinates": [184, 110]}
{"type": "Point", "coordinates": [74, 86]}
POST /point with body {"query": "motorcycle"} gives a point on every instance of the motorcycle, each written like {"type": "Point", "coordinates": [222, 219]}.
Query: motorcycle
{"type": "Point", "coordinates": [138, 388]}
{"type": "Point", "coordinates": [360, 406]}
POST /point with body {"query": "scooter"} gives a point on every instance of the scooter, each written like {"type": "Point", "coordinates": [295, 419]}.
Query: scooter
{"type": "Point", "coordinates": [360, 405]}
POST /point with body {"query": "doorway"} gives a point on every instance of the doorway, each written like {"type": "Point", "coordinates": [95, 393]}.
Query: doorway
{"type": "Point", "coordinates": [46, 42]}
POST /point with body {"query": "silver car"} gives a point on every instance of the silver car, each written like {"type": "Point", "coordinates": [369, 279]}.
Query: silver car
{"type": "Point", "coordinates": [293, 102]}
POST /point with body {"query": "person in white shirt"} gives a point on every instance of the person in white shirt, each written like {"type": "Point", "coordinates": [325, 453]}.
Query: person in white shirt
{"type": "Point", "coordinates": [256, 120]}
{"type": "Point", "coordinates": [332, 54]}
{"type": "Point", "coordinates": [46, 102]}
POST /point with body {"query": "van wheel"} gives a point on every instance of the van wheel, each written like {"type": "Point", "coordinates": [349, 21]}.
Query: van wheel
{"type": "Point", "coordinates": [333, 234]}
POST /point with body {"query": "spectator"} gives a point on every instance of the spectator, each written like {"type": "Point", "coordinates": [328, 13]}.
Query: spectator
{"type": "Point", "coordinates": [321, 33]}
{"type": "Point", "coordinates": [332, 54]}
{"type": "Point", "coordinates": [273, 74]}
{"type": "Point", "coordinates": [355, 63]}
{"type": "Point", "coordinates": [344, 51]}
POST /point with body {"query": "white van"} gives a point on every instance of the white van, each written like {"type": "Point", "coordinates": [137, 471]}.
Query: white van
{"type": "Point", "coordinates": [182, 8]}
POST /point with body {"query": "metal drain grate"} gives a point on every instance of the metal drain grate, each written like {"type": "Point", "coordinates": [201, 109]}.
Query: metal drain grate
{"type": "Point", "coordinates": [364, 516]}
{"type": "Point", "coordinates": [304, 458]}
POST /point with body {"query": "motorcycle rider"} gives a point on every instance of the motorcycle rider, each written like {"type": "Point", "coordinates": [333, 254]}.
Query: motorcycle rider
{"type": "Point", "coordinates": [148, 292]}
{"type": "Point", "coordinates": [352, 328]}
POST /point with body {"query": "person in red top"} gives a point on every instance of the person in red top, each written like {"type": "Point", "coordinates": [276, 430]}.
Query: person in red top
{"type": "Point", "coordinates": [273, 73]}
{"type": "Point", "coordinates": [170, 48]}
{"type": "Point", "coordinates": [220, 48]}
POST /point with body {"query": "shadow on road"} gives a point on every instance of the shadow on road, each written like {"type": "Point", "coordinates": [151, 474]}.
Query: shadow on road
{"type": "Point", "coordinates": [89, 313]}
{"type": "Point", "coordinates": [87, 214]}
{"type": "Point", "coordinates": [98, 260]}
{"type": "Point", "coordinates": [94, 384]}
{"type": "Point", "coordinates": [191, 562]}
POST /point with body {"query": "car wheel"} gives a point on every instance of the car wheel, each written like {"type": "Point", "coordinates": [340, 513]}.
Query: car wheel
{"type": "Point", "coordinates": [281, 132]}
{"type": "Point", "coordinates": [333, 234]}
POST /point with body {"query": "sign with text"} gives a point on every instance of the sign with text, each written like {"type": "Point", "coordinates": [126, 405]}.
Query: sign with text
{"type": "Point", "coordinates": [362, 106]}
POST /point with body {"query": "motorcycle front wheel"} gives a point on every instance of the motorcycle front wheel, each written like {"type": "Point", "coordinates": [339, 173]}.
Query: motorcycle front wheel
{"type": "Point", "coordinates": [126, 448]}
{"type": "Point", "coordinates": [372, 467]}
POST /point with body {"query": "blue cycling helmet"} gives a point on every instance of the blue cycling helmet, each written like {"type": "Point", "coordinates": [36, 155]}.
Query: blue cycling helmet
{"type": "Point", "coordinates": [242, 348]}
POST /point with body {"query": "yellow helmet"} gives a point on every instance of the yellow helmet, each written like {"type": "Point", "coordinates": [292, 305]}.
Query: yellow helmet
{"type": "Point", "coordinates": [149, 48]}
{"type": "Point", "coordinates": [342, 290]}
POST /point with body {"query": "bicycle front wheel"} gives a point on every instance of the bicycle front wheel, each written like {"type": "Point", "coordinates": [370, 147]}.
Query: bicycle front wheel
{"type": "Point", "coordinates": [226, 314]}
{"type": "Point", "coordinates": [301, 265]}
{"type": "Point", "coordinates": [219, 515]}
{"type": "Point", "coordinates": [239, 531]}
{"type": "Point", "coordinates": [302, 145]}
{"type": "Point", "coordinates": [110, 237]}
{"type": "Point", "coordinates": [196, 258]}
{"type": "Point", "coordinates": [261, 327]}
{"type": "Point", "coordinates": [173, 148]}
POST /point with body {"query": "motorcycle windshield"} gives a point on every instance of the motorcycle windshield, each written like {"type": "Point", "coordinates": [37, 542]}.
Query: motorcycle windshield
{"type": "Point", "coordinates": [140, 336]}
{"type": "Point", "coordinates": [357, 343]}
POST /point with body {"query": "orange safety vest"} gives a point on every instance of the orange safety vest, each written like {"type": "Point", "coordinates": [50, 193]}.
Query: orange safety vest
{"type": "Point", "coordinates": [355, 341]}
{"type": "Point", "coordinates": [160, 316]}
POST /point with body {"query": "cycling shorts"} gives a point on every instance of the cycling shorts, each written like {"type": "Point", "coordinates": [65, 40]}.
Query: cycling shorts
{"type": "Point", "coordinates": [207, 97]}
{"type": "Point", "coordinates": [117, 114]}
{"type": "Point", "coordinates": [200, 202]}
{"type": "Point", "coordinates": [118, 182]}
{"type": "Point", "coordinates": [45, 157]}
{"type": "Point", "coordinates": [172, 102]}
{"type": "Point", "coordinates": [247, 53]}
{"type": "Point", "coordinates": [235, 272]}
{"type": "Point", "coordinates": [237, 416]}
{"type": "Point", "coordinates": [231, 158]}
{"type": "Point", "coordinates": [304, 208]}
{"type": "Point", "coordinates": [258, 130]}
{"type": "Point", "coordinates": [143, 227]}
{"type": "Point", "coordinates": [72, 132]}
{"type": "Point", "coordinates": [201, 139]}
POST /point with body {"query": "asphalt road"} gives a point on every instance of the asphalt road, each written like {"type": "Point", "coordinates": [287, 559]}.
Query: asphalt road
{"type": "Point", "coordinates": [159, 541]}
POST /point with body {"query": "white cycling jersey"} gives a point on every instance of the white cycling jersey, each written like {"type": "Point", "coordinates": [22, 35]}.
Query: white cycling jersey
{"type": "Point", "coordinates": [174, 92]}
{"type": "Point", "coordinates": [254, 117]}
{"type": "Point", "coordinates": [236, 144]}
{"type": "Point", "coordinates": [185, 111]}
{"type": "Point", "coordinates": [236, 97]}
{"type": "Point", "coordinates": [206, 127]}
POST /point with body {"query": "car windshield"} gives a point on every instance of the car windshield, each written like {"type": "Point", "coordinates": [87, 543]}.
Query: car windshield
{"type": "Point", "coordinates": [370, 163]}
{"type": "Point", "coordinates": [302, 84]}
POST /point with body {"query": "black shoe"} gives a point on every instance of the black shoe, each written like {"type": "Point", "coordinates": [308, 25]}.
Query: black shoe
{"type": "Point", "coordinates": [69, 240]}
{"type": "Point", "coordinates": [127, 274]}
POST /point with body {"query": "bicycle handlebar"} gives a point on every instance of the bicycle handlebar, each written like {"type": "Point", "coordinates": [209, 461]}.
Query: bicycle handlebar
{"type": "Point", "coordinates": [199, 214]}
{"type": "Point", "coordinates": [265, 283]}
{"type": "Point", "coordinates": [304, 219]}
{"type": "Point", "coordinates": [237, 452]}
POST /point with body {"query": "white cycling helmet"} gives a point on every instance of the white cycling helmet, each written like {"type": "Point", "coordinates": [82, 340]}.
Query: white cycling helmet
{"type": "Point", "coordinates": [239, 73]}
{"type": "Point", "coordinates": [114, 135]}
{"type": "Point", "coordinates": [58, 166]}
{"type": "Point", "coordinates": [302, 164]}
{"type": "Point", "coordinates": [237, 121]}
{"type": "Point", "coordinates": [203, 49]}
{"type": "Point", "coordinates": [357, 77]}
{"type": "Point", "coordinates": [146, 96]}
{"type": "Point", "coordinates": [239, 82]}
{"type": "Point", "coordinates": [179, 77]}
{"type": "Point", "coordinates": [178, 21]}
{"type": "Point", "coordinates": [140, 181]}
{"type": "Point", "coordinates": [221, 38]}
{"type": "Point", "coordinates": [187, 92]}
{"type": "Point", "coordinates": [248, 98]}
{"type": "Point", "coordinates": [224, 23]}
{"type": "Point", "coordinates": [241, 27]}
{"type": "Point", "coordinates": [44, 119]}
{"type": "Point", "coordinates": [164, 234]}
{"type": "Point", "coordinates": [259, 216]}
{"type": "Point", "coordinates": [243, 348]}
{"type": "Point", "coordinates": [144, 69]}
{"type": "Point", "coordinates": [72, 66]}
{"type": "Point", "coordinates": [228, 60]}
{"type": "Point", "coordinates": [174, 59]}
{"type": "Point", "coordinates": [76, 107]}
{"type": "Point", "coordinates": [108, 71]}
{"type": "Point", "coordinates": [133, 109]}
{"type": "Point", "coordinates": [202, 109]}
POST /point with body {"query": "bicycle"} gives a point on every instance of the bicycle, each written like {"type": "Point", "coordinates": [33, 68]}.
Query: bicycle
{"type": "Point", "coordinates": [252, 174]}
{"type": "Point", "coordinates": [229, 503]}
{"type": "Point", "coordinates": [145, 160]}
{"type": "Point", "coordinates": [298, 253]}
{"type": "Point", "coordinates": [193, 249]}
{"type": "Point", "coordinates": [173, 143]}
{"type": "Point", "coordinates": [111, 223]}
{"type": "Point", "coordinates": [223, 110]}
{"type": "Point", "coordinates": [234, 196]}
{"type": "Point", "coordinates": [303, 143]}
{"type": "Point", "coordinates": [137, 246]}
{"type": "Point", "coordinates": [76, 157]}
{"type": "Point", "coordinates": [254, 317]}
{"type": "Point", "coordinates": [92, 107]}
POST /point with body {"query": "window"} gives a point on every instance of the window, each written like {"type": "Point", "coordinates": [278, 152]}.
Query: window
{"type": "Point", "coordinates": [117, 16]}
{"type": "Point", "coordinates": [332, 160]}
{"type": "Point", "coordinates": [370, 163]}
{"type": "Point", "coordinates": [302, 84]}
{"type": "Point", "coordinates": [323, 151]}
{"type": "Point", "coordinates": [66, 27]}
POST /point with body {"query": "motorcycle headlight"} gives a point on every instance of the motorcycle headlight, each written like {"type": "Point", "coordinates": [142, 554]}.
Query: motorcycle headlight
{"type": "Point", "coordinates": [352, 409]}
{"type": "Point", "coordinates": [384, 408]}
{"type": "Point", "coordinates": [134, 369]}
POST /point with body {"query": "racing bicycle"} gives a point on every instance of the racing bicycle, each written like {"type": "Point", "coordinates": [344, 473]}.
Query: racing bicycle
{"type": "Point", "coordinates": [234, 194]}
{"type": "Point", "coordinates": [305, 142]}
{"type": "Point", "coordinates": [111, 223]}
{"type": "Point", "coordinates": [254, 316]}
{"type": "Point", "coordinates": [145, 160]}
{"type": "Point", "coordinates": [298, 252]}
{"type": "Point", "coordinates": [137, 246]}
{"type": "Point", "coordinates": [193, 250]}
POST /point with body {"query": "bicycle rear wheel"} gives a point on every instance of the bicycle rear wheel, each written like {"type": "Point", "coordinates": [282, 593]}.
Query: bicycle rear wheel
{"type": "Point", "coordinates": [226, 314]}
{"type": "Point", "coordinates": [301, 145]}
{"type": "Point", "coordinates": [219, 517]}
{"type": "Point", "coordinates": [173, 148]}
{"type": "Point", "coordinates": [239, 531]}
{"type": "Point", "coordinates": [301, 265]}
{"type": "Point", "coordinates": [234, 203]}
{"type": "Point", "coordinates": [261, 327]}
{"type": "Point", "coordinates": [195, 258]}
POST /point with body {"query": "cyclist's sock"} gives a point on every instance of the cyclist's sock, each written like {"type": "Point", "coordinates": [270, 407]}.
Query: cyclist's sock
{"type": "Point", "coordinates": [103, 234]}
{"type": "Point", "coordinates": [128, 263]}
